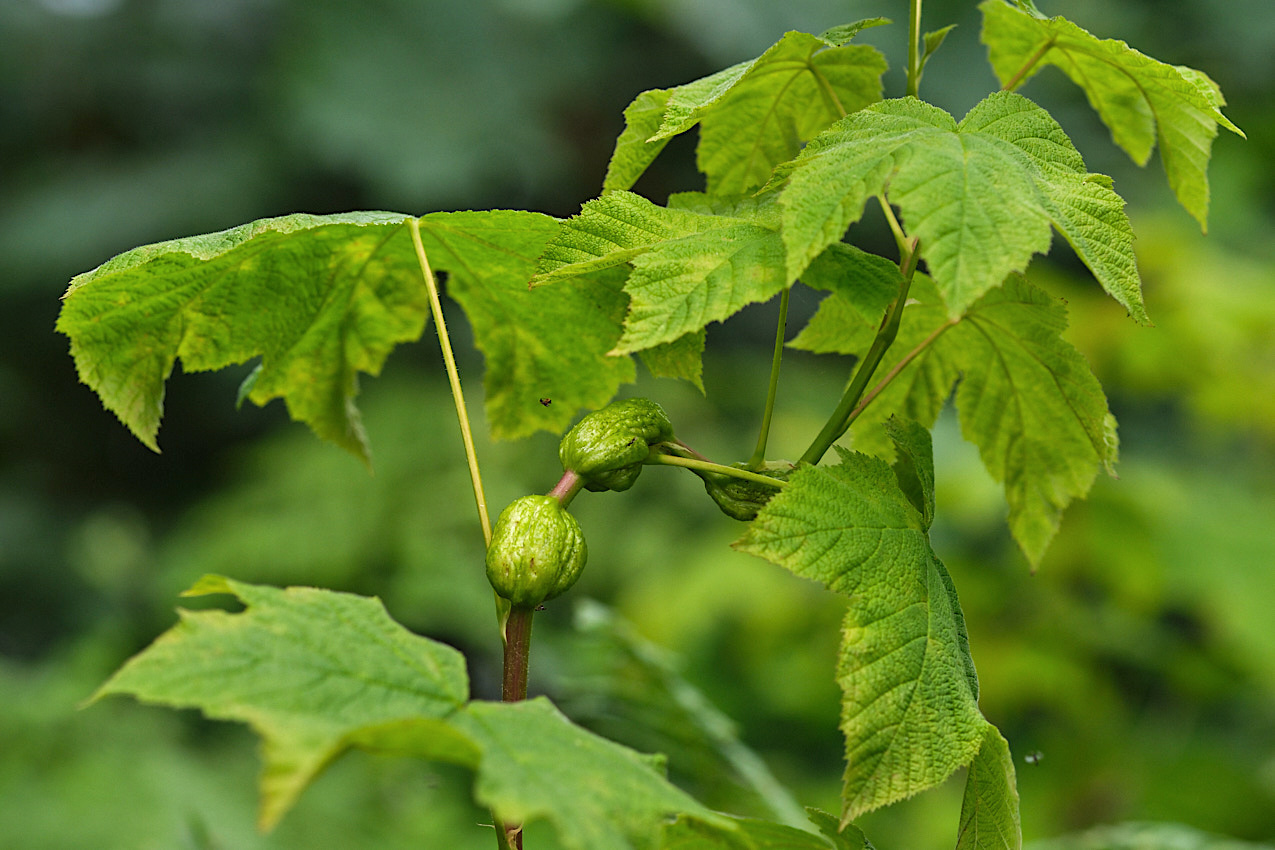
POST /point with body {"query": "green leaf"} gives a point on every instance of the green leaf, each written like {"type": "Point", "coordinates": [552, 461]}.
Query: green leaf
{"type": "Point", "coordinates": [974, 201]}
{"type": "Point", "coordinates": [630, 690]}
{"type": "Point", "coordinates": [1141, 100]}
{"type": "Point", "coordinates": [843, 836]}
{"type": "Point", "coordinates": [690, 267]}
{"type": "Point", "coordinates": [862, 286]}
{"type": "Point", "coordinates": [753, 115]}
{"type": "Point", "coordinates": [909, 710]}
{"type": "Point", "coordinates": [920, 389]}
{"type": "Point", "coordinates": [1083, 207]}
{"type": "Point", "coordinates": [308, 669]}
{"type": "Point", "coordinates": [989, 811]}
{"type": "Point", "coordinates": [322, 298]}
{"type": "Point", "coordinates": [682, 358]}
{"type": "Point", "coordinates": [635, 149]}
{"type": "Point", "coordinates": [318, 298]}
{"type": "Point", "coordinates": [914, 468]}
{"type": "Point", "coordinates": [1028, 400]}
{"type": "Point", "coordinates": [596, 794]}
{"type": "Point", "coordinates": [543, 343]}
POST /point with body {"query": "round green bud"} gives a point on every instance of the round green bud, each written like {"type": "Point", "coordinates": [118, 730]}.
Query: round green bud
{"type": "Point", "coordinates": [740, 498]}
{"type": "Point", "coordinates": [537, 551]}
{"type": "Point", "coordinates": [607, 447]}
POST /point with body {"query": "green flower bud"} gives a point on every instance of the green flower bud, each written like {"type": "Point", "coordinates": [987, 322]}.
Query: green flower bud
{"type": "Point", "coordinates": [537, 551]}
{"type": "Point", "coordinates": [607, 447]}
{"type": "Point", "coordinates": [740, 498]}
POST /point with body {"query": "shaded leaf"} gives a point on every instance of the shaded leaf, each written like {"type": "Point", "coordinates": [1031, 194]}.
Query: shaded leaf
{"type": "Point", "coordinates": [920, 389]}
{"type": "Point", "coordinates": [549, 343]}
{"type": "Point", "coordinates": [748, 834]}
{"type": "Point", "coordinates": [630, 690]}
{"type": "Point", "coordinates": [1029, 402]}
{"type": "Point", "coordinates": [914, 468]}
{"type": "Point", "coordinates": [682, 358]}
{"type": "Point", "coordinates": [989, 810]}
{"type": "Point", "coordinates": [318, 298]}
{"type": "Point", "coordinates": [597, 794]}
{"type": "Point", "coordinates": [1144, 102]}
{"type": "Point", "coordinates": [862, 284]}
{"type": "Point", "coordinates": [308, 669]}
{"type": "Point", "coordinates": [909, 710]}
{"type": "Point", "coordinates": [690, 266]}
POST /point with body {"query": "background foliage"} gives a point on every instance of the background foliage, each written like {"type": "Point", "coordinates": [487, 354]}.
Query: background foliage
{"type": "Point", "coordinates": [1137, 663]}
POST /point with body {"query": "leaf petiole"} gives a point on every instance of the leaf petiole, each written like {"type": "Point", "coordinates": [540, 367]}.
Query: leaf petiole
{"type": "Point", "coordinates": [708, 466]}
{"type": "Point", "coordinates": [759, 454]}
{"type": "Point", "coordinates": [453, 377]}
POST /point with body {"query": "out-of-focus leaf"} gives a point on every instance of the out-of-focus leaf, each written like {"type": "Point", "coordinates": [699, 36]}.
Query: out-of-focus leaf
{"type": "Point", "coordinates": [306, 668]}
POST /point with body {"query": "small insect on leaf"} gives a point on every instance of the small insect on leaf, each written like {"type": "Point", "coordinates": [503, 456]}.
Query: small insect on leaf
{"type": "Point", "coordinates": [546, 401]}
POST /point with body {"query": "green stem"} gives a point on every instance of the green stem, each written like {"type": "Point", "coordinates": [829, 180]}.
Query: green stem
{"type": "Point", "coordinates": [453, 377]}
{"type": "Point", "coordinates": [708, 466]}
{"type": "Point", "coordinates": [840, 419]}
{"type": "Point", "coordinates": [759, 454]}
{"type": "Point", "coordinates": [914, 48]}
{"type": "Point", "coordinates": [899, 367]}
{"type": "Point", "coordinates": [1031, 63]}
{"type": "Point", "coordinates": [900, 239]}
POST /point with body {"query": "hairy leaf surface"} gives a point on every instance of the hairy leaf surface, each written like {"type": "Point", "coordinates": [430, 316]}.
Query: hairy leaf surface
{"type": "Point", "coordinates": [691, 266]}
{"type": "Point", "coordinates": [305, 668]}
{"type": "Point", "coordinates": [1083, 207]}
{"type": "Point", "coordinates": [752, 834]}
{"type": "Point", "coordinates": [597, 794]}
{"type": "Point", "coordinates": [909, 709]}
{"type": "Point", "coordinates": [1141, 100]}
{"type": "Point", "coordinates": [973, 200]}
{"type": "Point", "coordinates": [989, 810]}
{"type": "Point", "coordinates": [753, 115]}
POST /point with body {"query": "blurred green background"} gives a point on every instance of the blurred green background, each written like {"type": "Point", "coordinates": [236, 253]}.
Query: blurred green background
{"type": "Point", "coordinates": [1133, 674]}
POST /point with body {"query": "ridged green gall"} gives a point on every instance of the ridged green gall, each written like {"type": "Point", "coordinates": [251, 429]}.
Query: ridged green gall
{"type": "Point", "coordinates": [742, 499]}
{"type": "Point", "coordinates": [607, 447]}
{"type": "Point", "coordinates": [537, 551]}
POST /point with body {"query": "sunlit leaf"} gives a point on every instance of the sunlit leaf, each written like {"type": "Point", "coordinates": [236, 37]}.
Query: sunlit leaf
{"type": "Point", "coordinates": [989, 810]}
{"type": "Point", "coordinates": [690, 266]}
{"type": "Point", "coordinates": [1083, 207]}
{"type": "Point", "coordinates": [1144, 102]}
{"type": "Point", "coordinates": [755, 114]}
{"type": "Point", "coordinates": [909, 710]}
